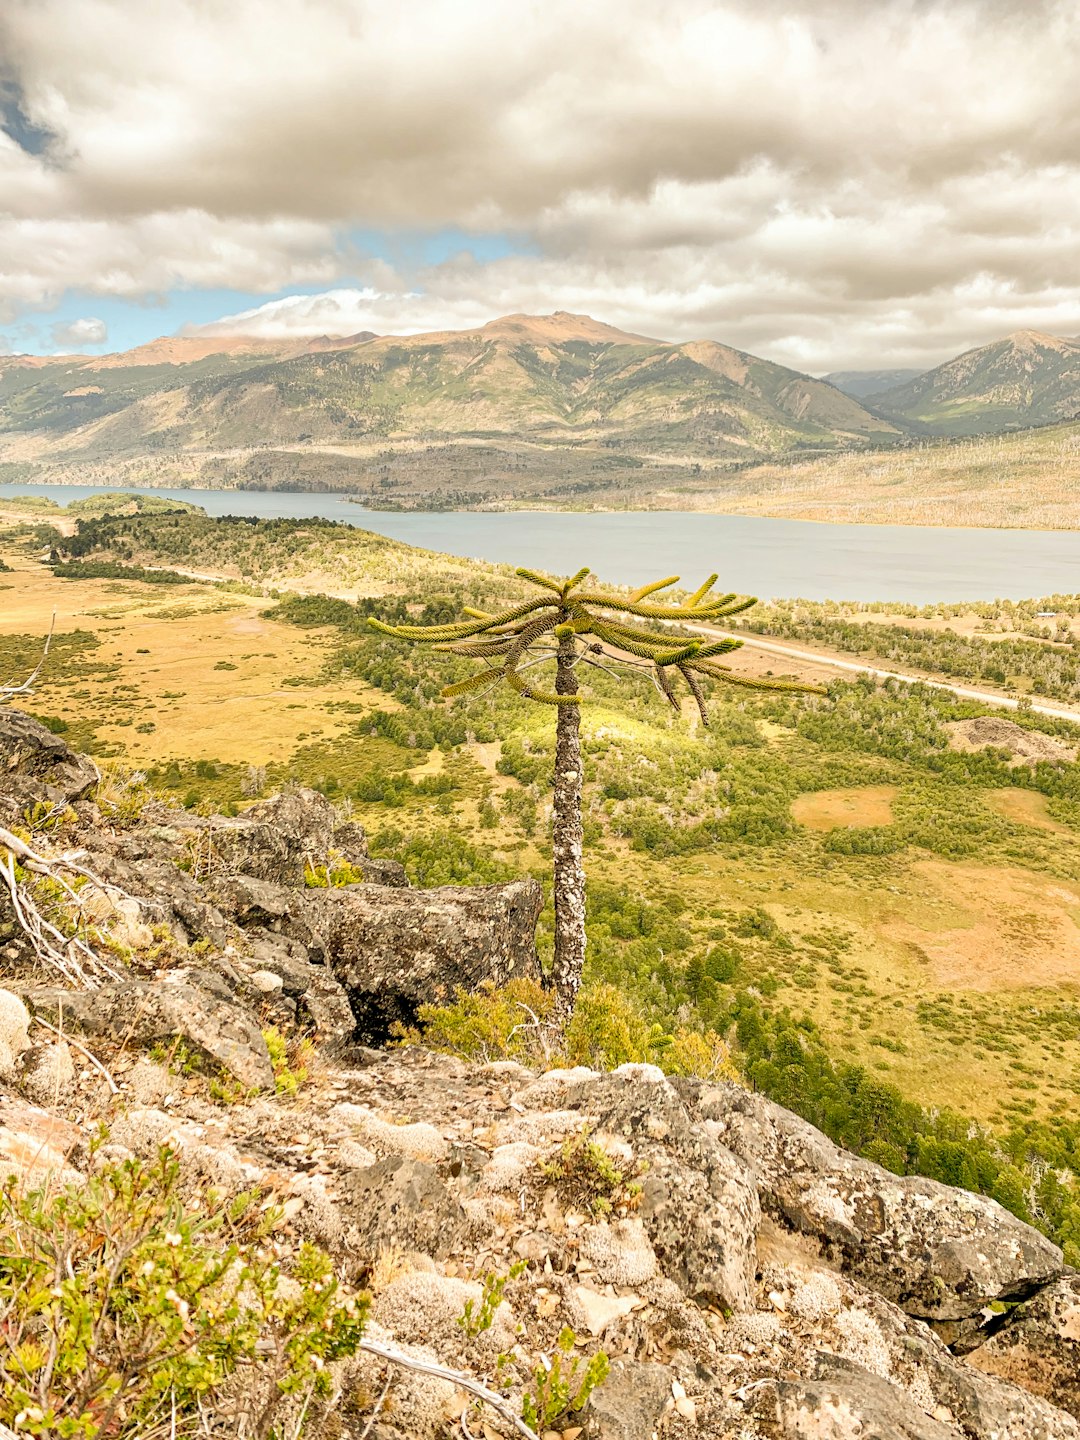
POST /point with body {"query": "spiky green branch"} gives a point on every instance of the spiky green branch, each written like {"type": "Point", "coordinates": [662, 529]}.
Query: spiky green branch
{"type": "Point", "coordinates": [567, 625]}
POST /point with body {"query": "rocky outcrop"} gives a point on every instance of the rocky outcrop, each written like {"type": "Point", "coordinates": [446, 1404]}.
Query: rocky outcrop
{"type": "Point", "coordinates": [195, 1007]}
{"type": "Point", "coordinates": [37, 766]}
{"type": "Point", "coordinates": [350, 842]}
{"type": "Point", "coordinates": [274, 840]}
{"type": "Point", "coordinates": [938, 1252]}
{"type": "Point", "coordinates": [244, 891]}
{"type": "Point", "coordinates": [1024, 747]}
{"type": "Point", "coordinates": [394, 950]}
{"type": "Point", "coordinates": [749, 1279]}
{"type": "Point", "coordinates": [840, 1401]}
{"type": "Point", "coordinates": [1037, 1345]}
{"type": "Point", "coordinates": [418, 1169]}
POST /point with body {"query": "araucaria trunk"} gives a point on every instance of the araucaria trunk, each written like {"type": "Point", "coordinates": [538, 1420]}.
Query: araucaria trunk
{"type": "Point", "coordinates": [566, 838]}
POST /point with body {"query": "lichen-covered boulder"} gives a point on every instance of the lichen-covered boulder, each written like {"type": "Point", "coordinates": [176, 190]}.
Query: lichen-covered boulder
{"type": "Point", "coordinates": [1038, 1345]}
{"type": "Point", "coordinates": [823, 1313]}
{"type": "Point", "coordinates": [841, 1401]}
{"type": "Point", "coordinates": [698, 1204]}
{"type": "Point", "coordinates": [395, 949]}
{"type": "Point", "coordinates": [14, 1026]}
{"type": "Point", "coordinates": [939, 1252]}
{"type": "Point", "coordinates": [317, 998]}
{"type": "Point", "coordinates": [400, 1203]}
{"type": "Point", "coordinates": [38, 766]}
{"type": "Point", "coordinates": [275, 840]}
{"type": "Point", "coordinates": [628, 1405]}
{"type": "Point", "coordinates": [193, 1005]}
{"type": "Point", "coordinates": [36, 1146]}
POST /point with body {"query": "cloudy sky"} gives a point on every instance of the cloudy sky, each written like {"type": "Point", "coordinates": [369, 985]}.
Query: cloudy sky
{"type": "Point", "coordinates": [831, 183]}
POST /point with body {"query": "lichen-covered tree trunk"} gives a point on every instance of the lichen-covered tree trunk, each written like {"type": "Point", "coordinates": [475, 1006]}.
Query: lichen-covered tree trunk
{"type": "Point", "coordinates": [569, 866]}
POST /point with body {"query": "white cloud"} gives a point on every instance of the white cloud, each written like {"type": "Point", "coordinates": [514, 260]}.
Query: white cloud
{"type": "Point", "coordinates": [822, 177]}
{"type": "Point", "coordinates": [79, 333]}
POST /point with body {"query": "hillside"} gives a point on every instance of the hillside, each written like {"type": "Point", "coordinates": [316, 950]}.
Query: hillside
{"type": "Point", "coordinates": [1024, 480]}
{"type": "Point", "coordinates": [1023, 380]}
{"type": "Point", "coordinates": [560, 380]}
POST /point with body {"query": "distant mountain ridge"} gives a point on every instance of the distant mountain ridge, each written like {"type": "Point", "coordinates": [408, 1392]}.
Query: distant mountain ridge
{"type": "Point", "coordinates": [562, 408]}
{"type": "Point", "coordinates": [865, 384]}
{"type": "Point", "coordinates": [1026, 379]}
{"type": "Point", "coordinates": [558, 379]}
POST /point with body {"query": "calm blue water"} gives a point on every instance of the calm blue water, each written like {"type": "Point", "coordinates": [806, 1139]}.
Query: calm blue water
{"type": "Point", "coordinates": [767, 558]}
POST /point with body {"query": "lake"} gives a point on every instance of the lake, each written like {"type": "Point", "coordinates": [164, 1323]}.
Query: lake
{"type": "Point", "coordinates": [758, 556]}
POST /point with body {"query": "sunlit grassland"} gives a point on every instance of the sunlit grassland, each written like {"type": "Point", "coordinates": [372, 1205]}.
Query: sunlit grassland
{"type": "Point", "coordinates": [948, 963]}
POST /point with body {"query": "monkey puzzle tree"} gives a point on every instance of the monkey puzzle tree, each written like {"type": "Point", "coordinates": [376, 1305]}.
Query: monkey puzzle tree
{"type": "Point", "coordinates": [568, 626]}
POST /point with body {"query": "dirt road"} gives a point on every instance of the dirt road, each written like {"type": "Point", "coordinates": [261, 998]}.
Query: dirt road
{"type": "Point", "coordinates": [861, 667]}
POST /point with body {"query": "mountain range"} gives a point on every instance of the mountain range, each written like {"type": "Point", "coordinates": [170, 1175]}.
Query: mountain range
{"type": "Point", "coordinates": [552, 379]}
{"type": "Point", "coordinates": [580, 394]}
{"type": "Point", "coordinates": [1025, 379]}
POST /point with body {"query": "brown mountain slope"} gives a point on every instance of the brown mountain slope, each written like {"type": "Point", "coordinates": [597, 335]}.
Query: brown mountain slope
{"type": "Point", "coordinates": [555, 380]}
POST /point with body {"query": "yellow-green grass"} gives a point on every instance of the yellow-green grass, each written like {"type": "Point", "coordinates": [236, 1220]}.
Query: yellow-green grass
{"type": "Point", "coordinates": [858, 806]}
{"type": "Point", "coordinates": [213, 679]}
{"type": "Point", "coordinates": [1027, 480]}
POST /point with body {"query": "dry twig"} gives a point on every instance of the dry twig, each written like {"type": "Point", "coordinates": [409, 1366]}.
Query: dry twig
{"type": "Point", "coordinates": [70, 955]}
{"type": "Point", "coordinates": [455, 1377]}
{"type": "Point", "coordinates": [11, 688]}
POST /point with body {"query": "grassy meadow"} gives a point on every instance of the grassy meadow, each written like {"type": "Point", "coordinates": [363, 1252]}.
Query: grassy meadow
{"type": "Point", "coordinates": [827, 882]}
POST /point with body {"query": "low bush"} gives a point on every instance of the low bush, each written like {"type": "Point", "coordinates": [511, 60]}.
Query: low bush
{"type": "Point", "coordinates": [131, 1310]}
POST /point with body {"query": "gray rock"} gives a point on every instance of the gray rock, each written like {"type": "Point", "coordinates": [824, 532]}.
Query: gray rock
{"type": "Point", "coordinates": [841, 1401]}
{"type": "Point", "coordinates": [48, 1073]}
{"type": "Point", "coordinates": [394, 950]}
{"type": "Point", "coordinates": [403, 1203]}
{"type": "Point", "coordinates": [274, 840]}
{"type": "Point", "coordinates": [193, 1005]}
{"type": "Point", "coordinates": [702, 1224]}
{"type": "Point", "coordinates": [350, 840]}
{"type": "Point", "coordinates": [36, 765]}
{"type": "Point", "coordinates": [167, 894]}
{"type": "Point", "coordinates": [699, 1204]}
{"type": "Point", "coordinates": [36, 1145]}
{"type": "Point", "coordinates": [939, 1252]}
{"type": "Point", "coordinates": [1038, 1345]}
{"type": "Point", "coordinates": [382, 872]}
{"type": "Point", "coordinates": [629, 1403]}
{"type": "Point", "coordinates": [868, 1328]}
{"type": "Point", "coordinates": [255, 902]}
{"type": "Point", "coordinates": [320, 1000]}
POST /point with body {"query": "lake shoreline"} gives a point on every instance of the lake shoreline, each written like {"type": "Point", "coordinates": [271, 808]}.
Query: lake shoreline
{"type": "Point", "coordinates": [770, 557]}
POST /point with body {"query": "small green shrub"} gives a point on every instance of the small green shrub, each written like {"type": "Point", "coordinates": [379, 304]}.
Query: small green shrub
{"type": "Point", "coordinates": [585, 1175]}
{"type": "Point", "coordinates": [126, 1310]}
{"type": "Point", "coordinates": [333, 875]}
{"type": "Point", "coordinates": [291, 1061]}
{"type": "Point", "coordinates": [561, 1388]}
{"type": "Point", "coordinates": [487, 1023]}
{"type": "Point", "coordinates": [475, 1319]}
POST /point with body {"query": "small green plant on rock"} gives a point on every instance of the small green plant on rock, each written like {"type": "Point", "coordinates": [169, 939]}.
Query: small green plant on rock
{"type": "Point", "coordinates": [476, 1318]}
{"type": "Point", "coordinates": [44, 818]}
{"type": "Point", "coordinates": [586, 1175]}
{"type": "Point", "coordinates": [562, 1385]}
{"type": "Point", "coordinates": [291, 1062]}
